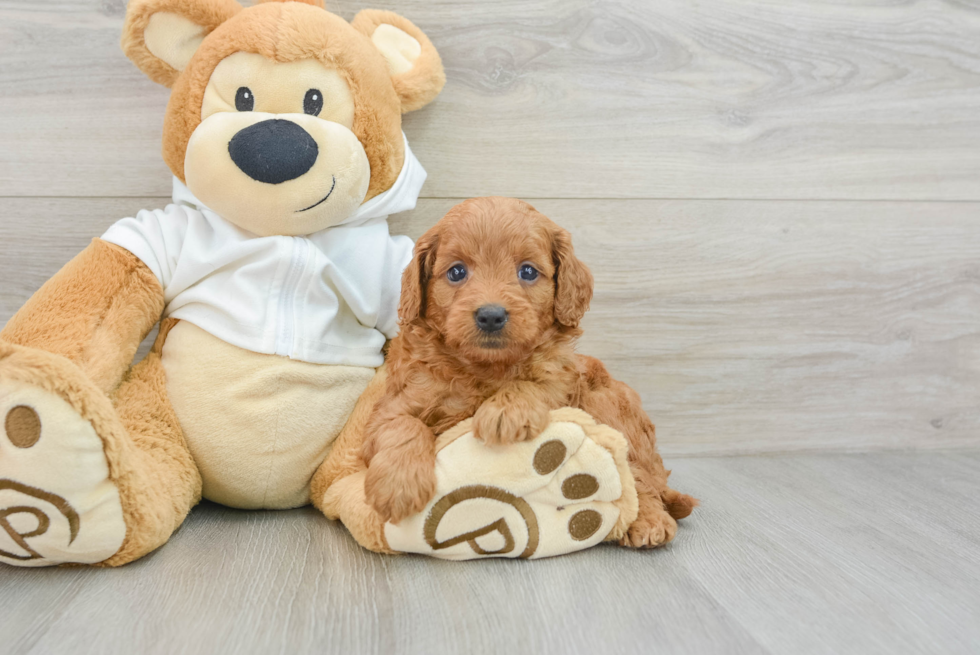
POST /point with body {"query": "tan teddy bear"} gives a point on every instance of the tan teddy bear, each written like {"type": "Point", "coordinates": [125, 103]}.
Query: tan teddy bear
{"type": "Point", "coordinates": [273, 271]}
{"type": "Point", "coordinates": [275, 282]}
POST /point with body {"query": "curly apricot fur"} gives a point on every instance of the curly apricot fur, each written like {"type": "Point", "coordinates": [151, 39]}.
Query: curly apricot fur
{"type": "Point", "coordinates": [443, 369]}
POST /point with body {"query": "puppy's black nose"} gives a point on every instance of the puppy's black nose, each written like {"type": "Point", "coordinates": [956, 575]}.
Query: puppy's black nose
{"type": "Point", "coordinates": [491, 318]}
{"type": "Point", "coordinates": [273, 151]}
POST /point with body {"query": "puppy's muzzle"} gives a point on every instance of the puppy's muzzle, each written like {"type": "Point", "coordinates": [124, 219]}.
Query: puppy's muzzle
{"type": "Point", "coordinates": [491, 318]}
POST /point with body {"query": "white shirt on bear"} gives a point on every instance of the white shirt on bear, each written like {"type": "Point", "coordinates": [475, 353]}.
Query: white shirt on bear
{"type": "Point", "coordinates": [330, 297]}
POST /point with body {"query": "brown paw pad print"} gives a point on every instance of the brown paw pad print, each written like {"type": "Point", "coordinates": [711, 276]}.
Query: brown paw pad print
{"type": "Point", "coordinates": [23, 426]}
{"type": "Point", "coordinates": [549, 456]}
{"type": "Point", "coordinates": [579, 486]}
{"type": "Point", "coordinates": [23, 429]}
{"type": "Point", "coordinates": [584, 524]}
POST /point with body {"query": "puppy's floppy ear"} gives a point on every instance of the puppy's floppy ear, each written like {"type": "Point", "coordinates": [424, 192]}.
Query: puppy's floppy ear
{"type": "Point", "coordinates": [573, 281]}
{"type": "Point", "coordinates": [416, 69]}
{"type": "Point", "coordinates": [415, 279]}
{"type": "Point", "coordinates": [161, 36]}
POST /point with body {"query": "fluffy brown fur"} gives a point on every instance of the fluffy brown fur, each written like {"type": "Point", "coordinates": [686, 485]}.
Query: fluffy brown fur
{"type": "Point", "coordinates": [419, 86]}
{"type": "Point", "coordinates": [443, 368]}
{"type": "Point", "coordinates": [95, 312]}
{"type": "Point", "coordinates": [206, 13]}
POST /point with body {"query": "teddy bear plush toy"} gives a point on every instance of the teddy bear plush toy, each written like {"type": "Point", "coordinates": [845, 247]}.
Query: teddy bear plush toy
{"type": "Point", "coordinates": [275, 283]}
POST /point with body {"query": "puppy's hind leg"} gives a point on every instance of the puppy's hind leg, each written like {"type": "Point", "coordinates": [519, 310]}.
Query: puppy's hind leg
{"type": "Point", "coordinates": [654, 526]}
{"type": "Point", "coordinates": [614, 403]}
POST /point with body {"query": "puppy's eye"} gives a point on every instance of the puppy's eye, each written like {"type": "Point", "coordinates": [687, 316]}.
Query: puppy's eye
{"type": "Point", "coordinates": [527, 273]}
{"type": "Point", "coordinates": [244, 100]}
{"type": "Point", "coordinates": [457, 273]}
{"type": "Point", "coordinates": [313, 102]}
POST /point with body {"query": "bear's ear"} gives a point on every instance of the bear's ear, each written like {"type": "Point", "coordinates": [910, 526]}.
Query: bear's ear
{"type": "Point", "coordinates": [416, 69]}
{"type": "Point", "coordinates": [161, 36]}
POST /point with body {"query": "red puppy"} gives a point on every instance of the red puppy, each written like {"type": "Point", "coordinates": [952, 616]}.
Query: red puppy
{"type": "Point", "coordinates": [489, 315]}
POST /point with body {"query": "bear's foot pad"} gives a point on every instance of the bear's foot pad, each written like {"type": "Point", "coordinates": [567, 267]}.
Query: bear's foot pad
{"type": "Point", "coordinates": [565, 490]}
{"type": "Point", "coordinates": [57, 503]}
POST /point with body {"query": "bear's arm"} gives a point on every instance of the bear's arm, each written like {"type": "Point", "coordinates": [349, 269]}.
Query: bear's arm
{"type": "Point", "coordinates": [95, 312]}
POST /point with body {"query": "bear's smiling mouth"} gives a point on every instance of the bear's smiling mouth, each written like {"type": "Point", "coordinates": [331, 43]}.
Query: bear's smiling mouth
{"type": "Point", "coordinates": [332, 186]}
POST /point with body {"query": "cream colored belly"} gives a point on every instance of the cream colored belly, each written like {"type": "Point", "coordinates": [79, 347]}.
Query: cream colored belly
{"type": "Point", "coordinates": [257, 425]}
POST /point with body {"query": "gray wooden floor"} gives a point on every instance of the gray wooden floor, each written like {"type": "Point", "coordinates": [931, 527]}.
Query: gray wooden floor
{"type": "Point", "coordinates": [781, 205]}
{"type": "Point", "coordinates": [874, 553]}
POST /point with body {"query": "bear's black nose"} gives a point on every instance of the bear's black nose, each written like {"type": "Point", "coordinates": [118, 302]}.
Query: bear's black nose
{"type": "Point", "coordinates": [491, 318]}
{"type": "Point", "coordinates": [273, 151]}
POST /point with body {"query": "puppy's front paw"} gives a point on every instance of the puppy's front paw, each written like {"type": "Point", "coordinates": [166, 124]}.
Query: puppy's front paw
{"type": "Point", "coordinates": [503, 420]}
{"type": "Point", "coordinates": [398, 489]}
{"type": "Point", "coordinates": [650, 530]}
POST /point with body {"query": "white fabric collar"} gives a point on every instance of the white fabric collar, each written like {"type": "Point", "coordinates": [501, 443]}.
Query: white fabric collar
{"type": "Point", "coordinates": [401, 197]}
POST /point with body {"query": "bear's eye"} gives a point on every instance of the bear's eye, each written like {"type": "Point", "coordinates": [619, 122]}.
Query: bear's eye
{"type": "Point", "coordinates": [527, 273]}
{"type": "Point", "coordinates": [457, 273]}
{"type": "Point", "coordinates": [244, 100]}
{"type": "Point", "coordinates": [313, 102]}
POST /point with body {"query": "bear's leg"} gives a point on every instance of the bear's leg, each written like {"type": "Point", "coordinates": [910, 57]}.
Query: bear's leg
{"type": "Point", "coordinates": [165, 483]}
{"type": "Point", "coordinates": [553, 516]}
{"type": "Point", "coordinates": [85, 478]}
{"type": "Point", "coordinates": [567, 489]}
